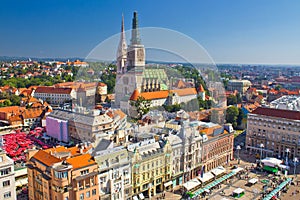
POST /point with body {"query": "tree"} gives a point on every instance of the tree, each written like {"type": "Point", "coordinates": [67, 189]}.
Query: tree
{"type": "Point", "coordinates": [240, 117]}
{"type": "Point", "coordinates": [142, 106]}
{"type": "Point", "coordinates": [232, 113]}
{"type": "Point", "coordinates": [278, 87]}
{"type": "Point", "coordinates": [172, 108]}
{"type": "Point", "coordinates": [231, 100]}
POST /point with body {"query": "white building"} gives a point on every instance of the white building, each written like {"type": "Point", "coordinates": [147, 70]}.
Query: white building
{"type": "Point", "coordinates": [7, 177]}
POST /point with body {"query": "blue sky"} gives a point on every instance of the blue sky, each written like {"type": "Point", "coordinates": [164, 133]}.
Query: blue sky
{"type": "Point", "coordinates": [232, 31]}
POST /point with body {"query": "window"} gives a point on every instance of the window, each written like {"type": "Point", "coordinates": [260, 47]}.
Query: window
{"type": "Point", "coordinates": [81, 196]}
{"type": "Point", "coordinates": [5, 171]}
{"type": "Point", "coordinates": [6, 183]}
{"type": "Point", "coordinates": [7, 195]}
{"type": "Point", "coordinates": [88, 194]}
{"type": "Point", "coordinates": [61, 174]}
{"type": "Point", "coordinates": [94, 192]}
{"type": "Point", "coordinates": [84, 172]}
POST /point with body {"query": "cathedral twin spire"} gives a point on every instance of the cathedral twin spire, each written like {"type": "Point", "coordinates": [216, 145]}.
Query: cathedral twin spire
{"type": "Point", "coordinates": [122, 48]}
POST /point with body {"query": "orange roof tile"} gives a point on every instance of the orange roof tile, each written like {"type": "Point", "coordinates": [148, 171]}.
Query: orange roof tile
{"type": "Point", "coordinates": [12, 109]}
{"type": "Point", "coordinates": [185, 91]}
{"type": "Point", "coordinates": [81, 161]}
{"type": "Point", "coordinates": [101, 84]}
{"type": "Point", "coordinates": [201, 89]}
{"type": "Point", "coordinates": [46, 158]}
{"type": "Point", "coordinates": [135, 95]}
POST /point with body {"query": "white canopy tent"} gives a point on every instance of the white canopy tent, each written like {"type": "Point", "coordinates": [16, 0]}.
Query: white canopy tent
{"type": "Point", "coordinates": [135, 198]}
{"type": "Point", "coordinates": [206, 177]}
{"type": "Point", "coordinates": [253, 180]}
{"type": "Point", "coordinates": [272, 162]}
{"type": "Point", "coordinates": [283, 166]}
{"type": "Point", "coordinates": [191, 184]}
{"type": "Point", "coordinates": [238, 169]}
{"type": "Point", "coordinates": [141, 196]}
{"type": "Point", "coordinates": [238, 191]}
{"type": "Point", "coordinates": [218, 170]}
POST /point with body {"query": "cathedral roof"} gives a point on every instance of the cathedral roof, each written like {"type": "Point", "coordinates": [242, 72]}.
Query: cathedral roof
{"type": "Point", "coordinates": [163, 94]}
{"type": "Point", "coordinates": [135, 95]}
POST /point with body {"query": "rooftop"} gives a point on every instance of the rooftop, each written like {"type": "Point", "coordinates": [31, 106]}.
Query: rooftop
{"type": "Point", "coordinates": [273, 112]}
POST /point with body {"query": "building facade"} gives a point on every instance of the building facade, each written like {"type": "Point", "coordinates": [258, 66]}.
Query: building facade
{"type": "Point", "coordinates": [151, 168]}
{"type": "Point", "coordinates": [240, 85]}
{"type": "Point", "coordinates": [66, 125]}
{"type": "Point", "coordinates": [54, 95]}
{"type": "Point", "coordinates": [114, 171]}
{"type": "Point", "coordinates": [217, 148]}
{"type": "Point", "coordinates": [7, 177]}
{"type": "Point", "coordinates": [274, 132]}
{"type": "Point", "coordinates": [62, 173]}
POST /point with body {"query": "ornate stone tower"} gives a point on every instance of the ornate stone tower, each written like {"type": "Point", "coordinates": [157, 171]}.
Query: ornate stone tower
{"type": "Point", "coordinates": [136, 51]}
{"type": "Point", "coordinates": [130, 76]}
{"type": "Point", "coordinates": [122, 52]}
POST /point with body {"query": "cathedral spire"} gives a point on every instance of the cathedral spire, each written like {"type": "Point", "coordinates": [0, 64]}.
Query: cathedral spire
{"type": "Point", "coordinates": [135, 34]}
{"type": "Point", "coordinates": [122, 50]}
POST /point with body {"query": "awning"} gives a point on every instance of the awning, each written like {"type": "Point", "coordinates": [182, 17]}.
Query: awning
{"type": "Point", "coordinates": [270, 169]}
{"type": "Point", "coordinates": [191, 184]}
{"type": "Point", "coordinates": [283, 166]}
{"type": "Point", "coordinates": [206, 177]}
{"type": "Point", "coordinates": [135, 198]}
{"type": "Point", "coordinates": [168, 183]}
{"type": "Point", "coordinates": [253, 181]}
{"type": "Point", "coordinates": [219, 170]}
{"type": "Point", "coordinates": [237, 170]}
{"type": "Point", "coordinates": [141, 196]}
{"type": "Point", "coordinates": [238, 191]}
{"type": "Point", "coordinates": [271, 161]}
{"type": "Point", "coordinates": [21, 182]}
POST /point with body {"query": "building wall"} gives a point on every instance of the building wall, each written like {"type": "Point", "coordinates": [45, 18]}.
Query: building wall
{"type": "Point", "coordinates": [114, 174]}
{"type": "Point", "coordinates": [7, 178]}
{"type": "Point", "coordinates": [217, 151]}
{"type": "Point", "coordinates": [57, 129]}
{"type": "Point", "coordinates": [276, 134]}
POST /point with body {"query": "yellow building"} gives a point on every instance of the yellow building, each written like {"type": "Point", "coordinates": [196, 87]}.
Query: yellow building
{"type": "Point", "coordinates": [151, 168]}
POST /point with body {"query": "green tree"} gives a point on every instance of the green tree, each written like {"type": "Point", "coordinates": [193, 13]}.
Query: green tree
{"type": "Point", "coordinates": [231, 100]}
{"type": "Point", "coordinates": [232, 113]}
{"type": "Point", "coordinates": [240, 117]}
{"type": "Point", "coordinates": [142, 106]}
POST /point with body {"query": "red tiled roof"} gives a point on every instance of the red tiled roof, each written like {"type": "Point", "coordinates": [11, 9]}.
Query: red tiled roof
{"type": "Point", "coordinates": [135, 95]}
{"type": "Point", "coordinates": [101, 84]}
{"type": "Point", "coordinates": [46, 158]}
{"type": "Point", "coordinates": [272, 112]}
{"type": "Point", "coordinates": [81, 161]}
{"type": "Point", "coordinates": [52, 90]}
{"type": "Point", "coordinates": [162, 94]}
{"type": "Point", "coordinates": [201, 89]}
{"type": "Point", "coordinates": [185, 91]}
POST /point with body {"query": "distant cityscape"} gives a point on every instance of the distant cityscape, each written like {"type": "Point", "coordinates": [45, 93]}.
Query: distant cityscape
{"type": "Point", "coordinates": [72, 129]}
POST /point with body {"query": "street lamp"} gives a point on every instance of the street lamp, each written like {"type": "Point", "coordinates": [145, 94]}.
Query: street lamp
{"type": "Point", "coordinates": [287, 153]}
{"type": "Point", "coordinates": [261, 148]}
{"type": "Point", "coordinates": [295, 161]}
{"type": "Point", "coordinates": [238, 148]}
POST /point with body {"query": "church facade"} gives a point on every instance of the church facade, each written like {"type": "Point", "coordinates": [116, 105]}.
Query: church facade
{"type": "Point", "coordinates": [134, 79]}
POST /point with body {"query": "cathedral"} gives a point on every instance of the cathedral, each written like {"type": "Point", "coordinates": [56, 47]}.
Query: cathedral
{"type": "Point", "coordinates": [134, 79]}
